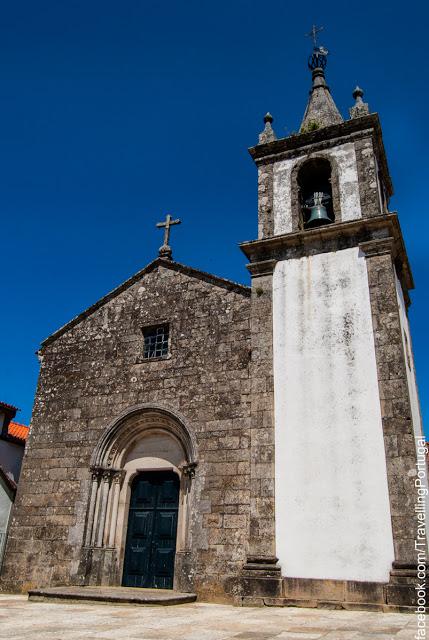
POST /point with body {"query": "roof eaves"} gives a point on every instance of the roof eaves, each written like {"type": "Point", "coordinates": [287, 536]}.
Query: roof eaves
{"type": "Point", "coordinates": [15, 440]}
{"type": "Point", "coordinates": [9, 407]}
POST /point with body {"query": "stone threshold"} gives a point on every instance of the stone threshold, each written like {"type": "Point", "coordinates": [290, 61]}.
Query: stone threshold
{"type": "Point", "coordinates": [112, 595]}
{"type": "Point", "coordinates": [250, 601]}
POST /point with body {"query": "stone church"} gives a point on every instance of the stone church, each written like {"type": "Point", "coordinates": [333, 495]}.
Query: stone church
{"type": "Point", "coordinates": [256, 445]}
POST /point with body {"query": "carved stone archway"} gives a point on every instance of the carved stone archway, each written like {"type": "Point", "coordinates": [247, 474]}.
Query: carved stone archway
{"type": "Point", "coordinates": [143, 438]}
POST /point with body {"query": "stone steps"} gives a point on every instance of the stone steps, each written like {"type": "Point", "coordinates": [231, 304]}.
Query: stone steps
{"type": "Point", "coordinates": [112, 595]}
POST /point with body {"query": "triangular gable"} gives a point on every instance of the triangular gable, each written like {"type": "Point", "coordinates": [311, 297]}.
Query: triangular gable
{"type": "Point", "coordinates": [229, 285]}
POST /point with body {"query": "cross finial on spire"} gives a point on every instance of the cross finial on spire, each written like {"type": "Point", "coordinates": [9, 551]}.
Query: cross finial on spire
{"type": "Point", "coordinates": [318, 58]}
{"type": "Point", "coordinates": [165, 250]}
{"type": "Point", "coordinates": [313, 34]}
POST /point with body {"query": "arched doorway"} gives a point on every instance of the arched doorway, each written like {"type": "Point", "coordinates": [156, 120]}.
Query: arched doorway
{"type": "Point", "coordinates": [146, 457]}
{"type": "Point", "coordinates": [151, 532]}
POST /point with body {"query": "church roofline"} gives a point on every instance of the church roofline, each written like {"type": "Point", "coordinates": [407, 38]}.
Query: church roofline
{"type": "Point", "coordinates": [368, 125]}
{"type": "Point", "coordinates": [230, 285]}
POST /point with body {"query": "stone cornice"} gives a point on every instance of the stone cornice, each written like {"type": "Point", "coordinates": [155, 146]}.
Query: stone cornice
{"type": "Point", "coordinates": [378, 247]}
{"type": "Point", "coordinates": [327, 137]}
{"type": "Point", "coordinates": [305, 146]}
{"type": "Point", "coordinates": [375, 234]}
{"type": "Point", "coordinates": [263, 268]}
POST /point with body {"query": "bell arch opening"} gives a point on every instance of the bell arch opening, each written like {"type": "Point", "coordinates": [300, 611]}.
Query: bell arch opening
{"type": "Point", "coordinates": [144, 440]}
{"type": "Point", "coordinates": [315, 195]}
{"type": "Point", "coordinates": [315, 192]}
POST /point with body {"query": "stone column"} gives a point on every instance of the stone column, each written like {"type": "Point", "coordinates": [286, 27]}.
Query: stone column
{"type": "Point", "coordinates": [186, 555]}
{"type": "Point", "coordinates": [396, 415]}
{"type": "Point", "coordinates": [261, 576]}
{"type": "Point", "coordinates": [91, 509]}
{"type": "Point", "coordinates": [188, 474]}
{"type": "Point", "coordinates": [96, 518]}
{"type": "Point", "coordinates": [115, 490]}
{"type": "Point", "coordinates": [104, 490]}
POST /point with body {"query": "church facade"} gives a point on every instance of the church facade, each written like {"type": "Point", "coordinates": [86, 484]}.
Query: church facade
{"type": "Point", "coordinates": [250, 444]}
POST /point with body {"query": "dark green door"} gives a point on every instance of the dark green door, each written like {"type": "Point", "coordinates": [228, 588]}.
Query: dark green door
{"type": "Point", "coordinates": [152, 527]}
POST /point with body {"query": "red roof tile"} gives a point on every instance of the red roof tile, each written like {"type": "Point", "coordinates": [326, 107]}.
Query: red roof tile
{"type": "Point", "coordinates": [18, 431]}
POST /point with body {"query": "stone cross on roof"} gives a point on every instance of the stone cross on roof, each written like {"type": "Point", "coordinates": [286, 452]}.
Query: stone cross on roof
{"type": "Point", "coordinates": [165, 250]}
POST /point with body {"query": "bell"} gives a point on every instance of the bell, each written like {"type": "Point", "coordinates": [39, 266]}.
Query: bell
{"type": "Point", "coordinates": [318, 212]}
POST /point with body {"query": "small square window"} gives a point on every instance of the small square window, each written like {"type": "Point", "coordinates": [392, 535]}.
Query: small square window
{"type": "Point", "coordinates": [156, 341]}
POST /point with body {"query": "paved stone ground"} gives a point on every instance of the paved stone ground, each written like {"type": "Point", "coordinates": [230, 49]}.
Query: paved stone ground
{"type": "Point", "coordinates": [20, 619]}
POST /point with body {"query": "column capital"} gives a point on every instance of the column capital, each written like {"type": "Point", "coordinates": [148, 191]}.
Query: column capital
{"type": "Point", "coordinates": [105, 473]}
{"type": "Point", "coordinates": [118, 475]}
{"type": "Point", "coordinates": [96, 473]}
{"type": "Point", "coordinates": [189, 469]}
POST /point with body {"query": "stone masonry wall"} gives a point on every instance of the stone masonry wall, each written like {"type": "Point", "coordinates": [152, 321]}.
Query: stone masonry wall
{"type": "Point", "coordinates": [93, 372]}
{"type": "Point", "coordinates": [394, 397]}
{"type": "Point", "coordinates": [368, 179]}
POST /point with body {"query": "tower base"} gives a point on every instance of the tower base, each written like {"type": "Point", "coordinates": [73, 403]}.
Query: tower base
{"type": "Point", "coordinates": [260, 580]}
{"type": "Point", "coordinates": [261, 584]}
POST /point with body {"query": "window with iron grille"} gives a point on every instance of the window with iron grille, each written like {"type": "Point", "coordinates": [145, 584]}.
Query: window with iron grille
{"type": "Point", "coordinates": [156, 341]}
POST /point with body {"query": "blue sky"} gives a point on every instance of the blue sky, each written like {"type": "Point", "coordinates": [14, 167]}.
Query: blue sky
{"type": "Point", "coordinates": [113, 113]}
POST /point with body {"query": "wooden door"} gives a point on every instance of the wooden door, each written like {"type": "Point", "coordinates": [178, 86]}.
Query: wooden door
{"type": "Point", "coordinates": [152, 527]}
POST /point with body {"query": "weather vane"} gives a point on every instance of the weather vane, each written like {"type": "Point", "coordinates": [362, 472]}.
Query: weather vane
{"type": "Point", "coordinates": [318, 59]}
{"type": "Point", "coordinates": [313, 34]}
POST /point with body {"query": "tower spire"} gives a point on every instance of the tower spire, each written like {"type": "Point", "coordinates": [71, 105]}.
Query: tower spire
{"type": "Point", "coordinates": [321, 109]}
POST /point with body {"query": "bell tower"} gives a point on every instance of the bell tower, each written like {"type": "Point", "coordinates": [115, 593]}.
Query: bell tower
{"type": "Point", "coordinates": [336, 431]}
